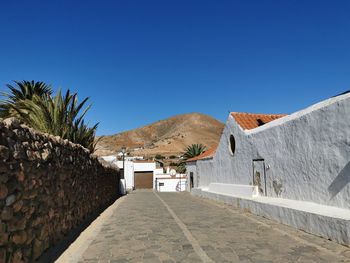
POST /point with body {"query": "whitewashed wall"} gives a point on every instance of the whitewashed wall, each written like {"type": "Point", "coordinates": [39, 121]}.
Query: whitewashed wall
{"type": "Point", "coordinates": [191, 167]}
{"type": "Point", "coordinates": [308, 153]}
{"type": "Point", "coordinates": [128, 173]}
{"type": "Point", "coordinates": [175, 184]}
{"type": "Point", "coordinates": [204, 167]}
{"type": "Point", "coordinates": [144, 166]}
{"type": "Point", "coordinates": [132, 166]}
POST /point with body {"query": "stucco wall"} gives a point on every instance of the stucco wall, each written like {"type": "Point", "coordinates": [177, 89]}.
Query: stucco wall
{"type": "Point", "coordinates": [144, 166]}
{"type": "Point", "coordinates": [225, 168]}
{"type": "Point", "coordinates": [204, 167]}
{"type": "Point", "coordinates": [47, 187]}
{"type": "Point", "coordinates": [170, 184]}
{"type": "Point", "coordinates": [131, 167]}
{"type": "Point", "coordinates": [128, 173]}
{"type": "Point", "coordinates": [307, 154]}
{"type": "Point", "coordinates": [191, 167]}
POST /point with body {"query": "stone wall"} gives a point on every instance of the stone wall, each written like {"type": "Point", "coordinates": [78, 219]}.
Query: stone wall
{"type": "Point", "coordinates": [47, 187]}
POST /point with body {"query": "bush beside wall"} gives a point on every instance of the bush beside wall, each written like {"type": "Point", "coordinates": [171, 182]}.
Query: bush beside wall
{"type": "Point", "coordinates": [47, 187]}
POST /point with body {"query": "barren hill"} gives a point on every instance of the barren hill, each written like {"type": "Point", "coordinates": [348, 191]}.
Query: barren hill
{"type": "Point", "coordinates": [166, 137]}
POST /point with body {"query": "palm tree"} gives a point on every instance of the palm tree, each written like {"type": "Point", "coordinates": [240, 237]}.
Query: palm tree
{"type": "Point", "coordinates": [194, 150]}
{"type": "Point", "coordinates": [22, 90]}
{"type": "Point", "coordinates": [61, 115]}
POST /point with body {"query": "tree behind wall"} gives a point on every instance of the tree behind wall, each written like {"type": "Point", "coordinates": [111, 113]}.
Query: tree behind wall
{"type": "Point", "coordinates": [194, 150]}
{"type": "Point", "coordinates": [60, 115]}
{"type": "Point", "coordinates": [22, 90]}
{"type": "Point", "coordinates": [190, 152]}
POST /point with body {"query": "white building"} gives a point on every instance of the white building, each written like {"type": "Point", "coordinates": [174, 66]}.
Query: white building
{"type": "Point", "coordinates": [169, 181]}
{"type": "Point", "coordinates": [138, 173]}
{"type": "Point", "coordinates": [291, 168]}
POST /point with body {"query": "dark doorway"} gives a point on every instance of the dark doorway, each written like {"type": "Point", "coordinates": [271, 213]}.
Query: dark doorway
{"type": "Point", "coordinates": [191, 180]}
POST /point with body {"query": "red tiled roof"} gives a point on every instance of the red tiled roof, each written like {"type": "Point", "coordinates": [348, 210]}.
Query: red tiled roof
{"type": "Point", "coordinates": [250, 121]}
{"type": "Point", "coordinates": [206, 155]}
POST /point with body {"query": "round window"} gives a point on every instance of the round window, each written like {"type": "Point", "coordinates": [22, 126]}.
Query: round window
{"type": "Point", "coordinates": [232, 142]}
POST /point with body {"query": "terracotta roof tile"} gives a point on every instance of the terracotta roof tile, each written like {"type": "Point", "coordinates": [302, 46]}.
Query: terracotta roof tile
{"type": "Point", "coordinates": [250, 121]}
{"type": "Point", "coordinates": [206, 155]}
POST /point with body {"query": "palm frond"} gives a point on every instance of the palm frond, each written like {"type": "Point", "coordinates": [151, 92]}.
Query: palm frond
{"type": "Point", "coordinates": [193, 150]}
{"type": "Point", "coordinates": [61, 115]}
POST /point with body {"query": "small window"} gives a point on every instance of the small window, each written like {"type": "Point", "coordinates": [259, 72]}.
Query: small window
{"type": "Point", "coordinates": [232, 142]}
{"type": "Point", "coordinates": [260, 122]}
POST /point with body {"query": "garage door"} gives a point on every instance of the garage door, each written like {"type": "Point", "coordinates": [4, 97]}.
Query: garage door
{"type": "Point", "coordinates": [143, 180]}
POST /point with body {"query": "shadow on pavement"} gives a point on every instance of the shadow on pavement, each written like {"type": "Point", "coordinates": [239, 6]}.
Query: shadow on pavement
{"type": "Point", "coordinates": [54, 252]}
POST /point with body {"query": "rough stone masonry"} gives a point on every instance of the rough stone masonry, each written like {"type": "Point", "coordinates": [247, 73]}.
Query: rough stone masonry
{"type": "Point", "coordinates": [47, 187]}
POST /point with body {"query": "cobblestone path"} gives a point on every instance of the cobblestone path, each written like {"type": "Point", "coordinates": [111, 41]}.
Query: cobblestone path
{"type": "Point", "coordinates": [176, 227]}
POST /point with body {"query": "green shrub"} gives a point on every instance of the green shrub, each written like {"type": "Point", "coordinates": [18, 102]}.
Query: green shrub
{"type": "Point", "coordinates": [159, 157]}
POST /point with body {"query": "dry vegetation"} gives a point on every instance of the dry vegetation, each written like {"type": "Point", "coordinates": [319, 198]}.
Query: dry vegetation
{"type": "Point", "coordinates": [166, 137]}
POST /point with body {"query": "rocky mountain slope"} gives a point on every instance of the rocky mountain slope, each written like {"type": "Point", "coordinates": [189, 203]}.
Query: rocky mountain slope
{"type": "Point", "coordinates": [166, 137]}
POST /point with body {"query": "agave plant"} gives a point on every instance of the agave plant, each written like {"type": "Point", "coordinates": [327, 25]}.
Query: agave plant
{"type": "Point", "coordinates": [60, 115]}
{"type": "Point", "coordinates": [84, 135]}
{"type": "Point", "coordinates": [22, 90]}
{"type": "Point", "coordinates": [190, 152]}
{"type": "Point", "coordinates": [194, 150]}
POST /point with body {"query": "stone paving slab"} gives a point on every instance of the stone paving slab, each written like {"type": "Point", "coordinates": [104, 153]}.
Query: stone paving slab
{"type": "Point", "coordinates": [229, 235]}
{"type": "Point", "coordinates": [140, 230]}
{"type": "Point", "coordinates": [143, 229]}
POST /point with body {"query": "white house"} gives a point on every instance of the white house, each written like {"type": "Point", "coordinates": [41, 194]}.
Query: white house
{"type": "Point", "coordinates": [192, 169]}
{"type": "Point", "coordinates": [170, 181]}
{"type": "Point", "coordinates": [138, 174]}
{"type": "Point", "coordinates": [141, 174]}
{"type": "Point", "coordinates": [291, 168]}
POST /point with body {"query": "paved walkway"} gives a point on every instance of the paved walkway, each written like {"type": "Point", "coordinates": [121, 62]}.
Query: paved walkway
{"type": "Point", "coordinates": [176, 227]}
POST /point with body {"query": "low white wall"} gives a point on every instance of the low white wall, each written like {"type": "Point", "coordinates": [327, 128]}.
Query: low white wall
{"type": "Point", "coordinates": [234, 189]}
{"type": "Point", "coordinates": [332, 225]}
{"type": "Point", "coordinates": [176, 184]}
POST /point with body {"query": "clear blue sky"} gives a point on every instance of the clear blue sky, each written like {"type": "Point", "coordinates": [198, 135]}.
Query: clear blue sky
{"type": "Point", "coordinates": [142, 61]}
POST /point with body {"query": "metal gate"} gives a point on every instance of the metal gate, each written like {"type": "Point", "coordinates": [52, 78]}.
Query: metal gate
{"type": "Point", "coordinates": [259, 176]}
